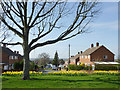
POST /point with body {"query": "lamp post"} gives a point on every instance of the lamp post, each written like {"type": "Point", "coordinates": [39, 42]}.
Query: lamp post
{"type": "Point", "coordinates": [69, 58]}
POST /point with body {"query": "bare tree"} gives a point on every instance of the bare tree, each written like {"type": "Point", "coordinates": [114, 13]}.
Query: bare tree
{"type": "Point", "coordinates": [44, 59]}
{"type": "Point", "coordinates": [33, 21]}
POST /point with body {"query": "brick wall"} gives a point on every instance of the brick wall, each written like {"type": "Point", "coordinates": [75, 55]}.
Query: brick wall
{"type": "Point", "coordinates": [100, 53]}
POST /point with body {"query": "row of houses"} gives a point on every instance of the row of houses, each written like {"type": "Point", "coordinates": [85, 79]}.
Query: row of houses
{"type": "Point", "coordinates": [93, 55]}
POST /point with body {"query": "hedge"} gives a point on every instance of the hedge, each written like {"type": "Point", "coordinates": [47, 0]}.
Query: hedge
{"type": "Point", "coordinates": [106, 67]}
{"type": "Point", "coordinates": [79, 67]}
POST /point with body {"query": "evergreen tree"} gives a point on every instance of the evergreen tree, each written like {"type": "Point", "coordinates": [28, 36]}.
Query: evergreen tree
{"type": "Point", "coordinates": [56, 59]}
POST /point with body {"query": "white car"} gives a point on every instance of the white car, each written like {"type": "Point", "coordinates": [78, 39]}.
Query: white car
{"type": "Point", "coordinates": [54, 67]}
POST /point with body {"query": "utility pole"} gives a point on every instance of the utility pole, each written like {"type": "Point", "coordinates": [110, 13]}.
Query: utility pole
{"type": "Point", "coordinates": [69, 55]}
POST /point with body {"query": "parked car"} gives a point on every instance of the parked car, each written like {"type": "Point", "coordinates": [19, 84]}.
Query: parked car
{"type": "Point", "coordinates": [54, 67]}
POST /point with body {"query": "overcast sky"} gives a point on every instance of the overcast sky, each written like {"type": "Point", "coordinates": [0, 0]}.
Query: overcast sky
{"type": "Point", "coordinates": [104, 30]}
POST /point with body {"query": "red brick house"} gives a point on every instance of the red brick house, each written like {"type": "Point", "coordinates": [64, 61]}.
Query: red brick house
{"type": "Point", "coordinates": [8, 57]}
{"type": "Point", "coordinates": [92, 55]}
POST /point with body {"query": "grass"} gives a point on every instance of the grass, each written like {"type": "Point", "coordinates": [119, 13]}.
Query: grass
{"type": "Point", "coordinates": [62, 81]}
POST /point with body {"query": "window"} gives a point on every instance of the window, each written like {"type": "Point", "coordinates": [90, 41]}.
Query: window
{"type": "Point", "coordinates": [16, 57]}
{"type": "Point", "coordinates": [105, 57]}
{"type": "Point", "coordinates": [85, 64]}
{"type": "Point", "coordinates": [82, 56]}
{"type": "Point", "coordinates": [88, 64]}
{"type": "Point", "coordinates": [88, 56]}
{"type": "Point", "coordinates": [11, 57]}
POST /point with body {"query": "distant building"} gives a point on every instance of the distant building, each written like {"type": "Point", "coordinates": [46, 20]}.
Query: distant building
{"type": "Point", "coordinates": [92, 55]}
{"type": "Point", "coordinates": [8, 57]}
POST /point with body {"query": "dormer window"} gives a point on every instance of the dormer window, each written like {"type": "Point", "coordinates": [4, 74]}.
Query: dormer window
{"type": "Point", "coordinates": [105, 57]}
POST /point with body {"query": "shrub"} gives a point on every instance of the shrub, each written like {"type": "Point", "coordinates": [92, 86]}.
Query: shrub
{"type": "Point", "coordinates": [18, 65]}
{"type": "Point", "coordinates": [88, 68]}
{"type": "Point", "coordinates": [76, 67]}
{"type": "Point", "coordinates": [106, 67]}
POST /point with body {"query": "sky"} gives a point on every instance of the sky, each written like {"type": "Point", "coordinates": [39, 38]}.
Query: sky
{"type": "Point", "coordinates": [103, 29]}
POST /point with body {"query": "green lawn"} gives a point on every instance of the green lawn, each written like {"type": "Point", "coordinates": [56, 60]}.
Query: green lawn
{"type": "Point", "coordinates": [57, 81]}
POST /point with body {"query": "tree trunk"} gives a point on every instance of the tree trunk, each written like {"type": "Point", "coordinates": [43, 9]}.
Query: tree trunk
{"type": "Point", "coordinates": [26, 63]}
{"type": "Point", "coordinates": [26, 56]}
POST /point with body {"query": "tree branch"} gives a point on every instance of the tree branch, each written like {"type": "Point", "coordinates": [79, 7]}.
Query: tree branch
{"type": "Point", "coordinates": [11, 28]}
{"type": "Point", "coordinates": [18, 43]}
{"type": "Point", "coordinates": [36, 39]}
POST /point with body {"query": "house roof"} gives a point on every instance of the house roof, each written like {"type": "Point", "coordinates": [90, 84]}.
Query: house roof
{"type": "Point", "coordinates": [75, 57]}
{"type": "Point", "coordinates": [10, 52]}
{"type": "Point", "coordinates": [90, 50]}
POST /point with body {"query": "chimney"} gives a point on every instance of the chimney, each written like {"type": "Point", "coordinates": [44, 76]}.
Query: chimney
{"type": "Point", "coordinates": [4, 44]}
{"type": "Point", "coordinates": [97, 44]}
{"type": "Point", "coordinates": [92, 45]}
{"type": "Point", "coordinates": [81, 52]}
{"type": "Point", "coordinates": [78, 52]}
{"type": "Point", "coordinates": [17, 52]}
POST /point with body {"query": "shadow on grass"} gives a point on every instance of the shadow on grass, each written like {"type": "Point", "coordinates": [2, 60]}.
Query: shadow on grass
{"type": "Point", "coordinates": [97, 79]}
{"type": "Point", "coordinates": [109, 81]}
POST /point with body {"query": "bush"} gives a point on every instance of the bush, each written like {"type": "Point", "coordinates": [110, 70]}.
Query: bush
{"type": "Point", "coordinates": [88, 68]}
{"type": "Point", "coordinates": [106, 67]}
{"type": "Point", "coordinates": [16, 66]}
{"type": "Point", "coordinates": [76, 67]}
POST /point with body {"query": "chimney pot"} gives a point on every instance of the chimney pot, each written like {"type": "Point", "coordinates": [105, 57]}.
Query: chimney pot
{"type": "Point", "coordinates": [92, 45]}
{"type": "Point", "coordinates": [97, 44]}
{"type": "Point", "coordinates": [78, 52]}
{"type": "Point", "coordinates": [17, 52]}
{"type": "Point", "coordinates": [81, 52]}
{"type": "Point", "coordinates": [72, 56]}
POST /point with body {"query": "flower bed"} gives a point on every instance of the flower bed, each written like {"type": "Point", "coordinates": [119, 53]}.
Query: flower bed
{"type": "Point", "coordinates": [69, 73]}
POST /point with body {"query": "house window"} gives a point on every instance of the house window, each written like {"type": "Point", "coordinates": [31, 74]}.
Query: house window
{"type": "Point", "coordinates": [16, 57]}
{"type": "Point", "coordinates": [85, 64]}
{"type": "Point", "coordinates": [82, 56]}
{"type": "Point", "coordinates": [88, 64]}
{"type": "Point", "coordinates": [105, 56]}
{"type": "Point", "coordinates": [11, 57]}
{"type": "Point", "coordinates": [88, 56]}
